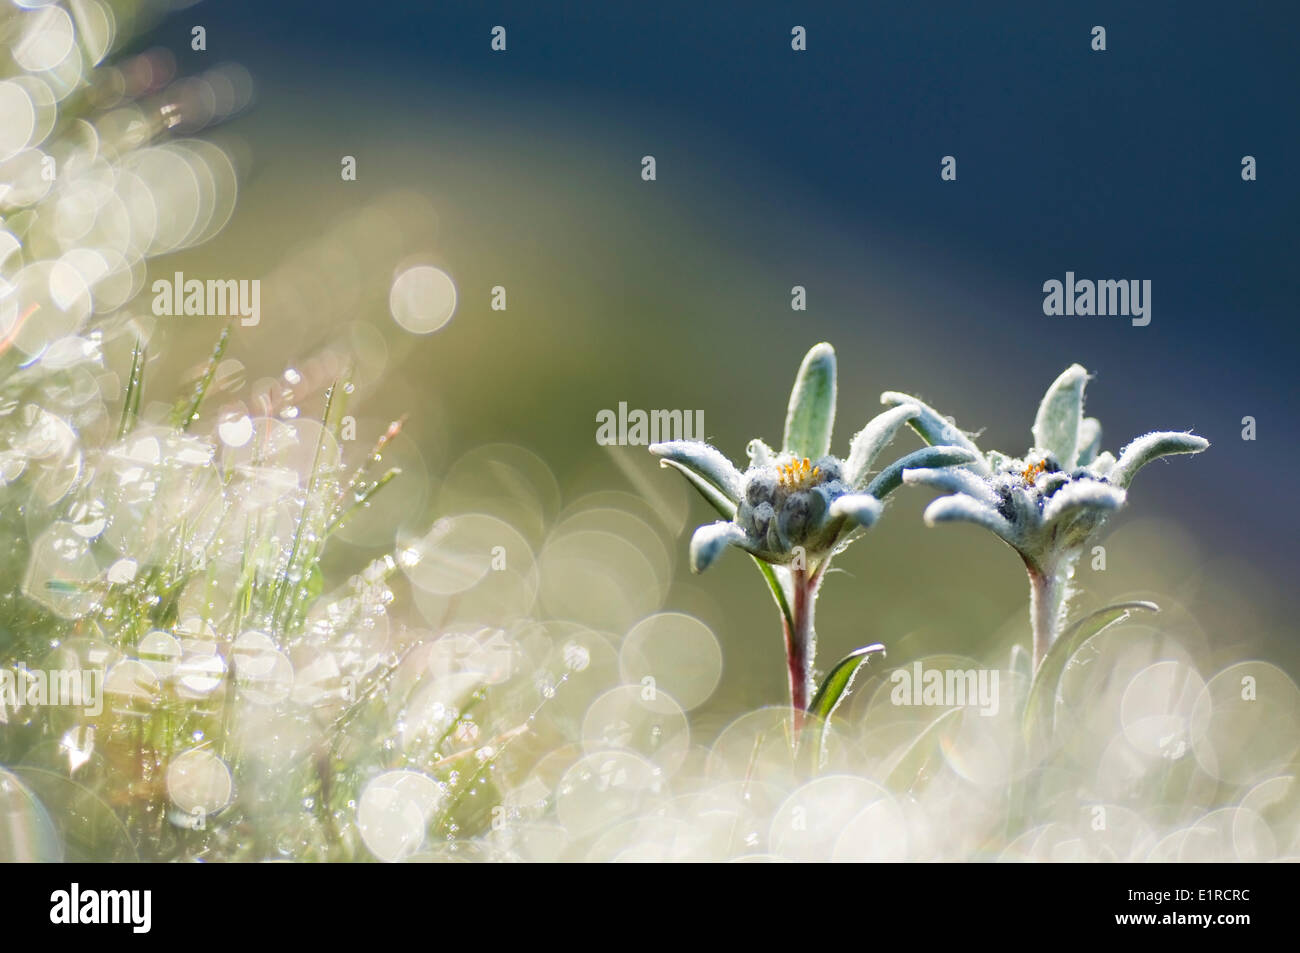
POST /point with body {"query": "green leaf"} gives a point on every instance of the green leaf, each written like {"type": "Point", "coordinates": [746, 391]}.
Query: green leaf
{"type": "Point", "coordinates": [1041, 702]}
{"type": "Point", "coordinates": [937, 430]}
{"type": "Point", "coordinates": [835, 687]}
{"type": "Point", "coordinates": [1095, 622]}
{"type": "Point", "coordinates": [811, 413]}
{"type": "Point", "coordinates": [1056, 428]}
{"type": "Point", "coordinates": [778, 590]}
{"type": "Point", "coordinates": [1144, 449]}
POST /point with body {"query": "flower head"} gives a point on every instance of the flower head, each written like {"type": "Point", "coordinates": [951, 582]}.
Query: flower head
{"type": "Point", "coordinates": [800, 505]}
{"type": "Point", "coordinates": [1047, 504]}
{"type": "Point", "coordinates": [792, 510]}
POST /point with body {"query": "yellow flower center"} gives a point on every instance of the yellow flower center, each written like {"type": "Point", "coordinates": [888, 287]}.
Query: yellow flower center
{"type": "Point", "coordinates": [797, 474]}
{"type": "Point", "coordinates": [1032, 471]}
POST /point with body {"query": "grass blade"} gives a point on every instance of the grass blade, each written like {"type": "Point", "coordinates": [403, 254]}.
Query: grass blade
{"type": "Point", "coordinates": [187, 410]}
{"type": "Point", "coordinates": [134, 385]}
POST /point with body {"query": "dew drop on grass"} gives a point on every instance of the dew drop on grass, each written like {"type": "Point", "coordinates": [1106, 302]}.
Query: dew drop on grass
{"type": "Point", "coordinates": [576, 657]}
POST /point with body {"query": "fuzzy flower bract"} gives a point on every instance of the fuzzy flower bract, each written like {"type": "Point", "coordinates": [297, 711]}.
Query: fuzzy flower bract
{"type": "Point", "coordinates": [1048, 504]}
{"type": "Point", "coordinates": [794, 509]}
{"type": "Point", "coordinates": [800, 505]}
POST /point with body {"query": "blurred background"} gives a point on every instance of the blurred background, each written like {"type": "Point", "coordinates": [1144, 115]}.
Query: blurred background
{"type": "Point", "coordinates": [522, 169]}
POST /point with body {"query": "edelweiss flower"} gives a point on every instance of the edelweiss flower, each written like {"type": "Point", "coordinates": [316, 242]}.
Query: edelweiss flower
{"type": "Point", "coordinates": [795, 509]}
{"type": "Point", "coordinates": [1048, 504]}
{"type": "Point", "coordinates": [800, 506]}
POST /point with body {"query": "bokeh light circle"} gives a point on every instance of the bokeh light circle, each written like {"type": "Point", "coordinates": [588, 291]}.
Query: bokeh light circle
{"type": "Point", "coordinates": [394, 811]}
{"type": "Point", "coordinates": [678, 651]}
{"type": "Point", "coordinates": [198, 782]}
{"type": "Point", "coordinates": [642, 719]}
{"type": "Point", "coordinates": [1246, 722]}
{"type": "Point", "coordinates": [422, 299]}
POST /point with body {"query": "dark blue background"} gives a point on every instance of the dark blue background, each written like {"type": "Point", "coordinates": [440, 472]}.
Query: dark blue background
{"type": "Point", "coordinates": [1122, 164]}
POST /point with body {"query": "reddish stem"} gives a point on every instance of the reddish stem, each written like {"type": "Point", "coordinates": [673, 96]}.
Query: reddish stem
{"type": "Point", "coordinates": [801, 641]}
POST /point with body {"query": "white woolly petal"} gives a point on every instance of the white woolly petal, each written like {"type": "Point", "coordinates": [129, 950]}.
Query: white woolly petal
{"type": "Point", "coordinates": [961, 508]}
{"type": "Point", "coordinates": [860, 508]}
{"type": "Point", "coordinates": [1056, 428]}
{"type": "Point", "coordinates": [871, 439]}
{"type": "Point", "coordinates": [953, 480]}
{"type": "Point", "coordinates": [936, 429]}
{"type": "Point", "coordinates": [1146, 448]}
{"type": "Point", "coordinates": [760, 454]}
{"type": "Point", "coordinates": [1083, 494]}
{"type": "Point", "coordinates": [704, 461]}
{"type": "Point", "coordinates": [1103, 465]}
{"type": "Point", "coordinates": [710, 540]}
